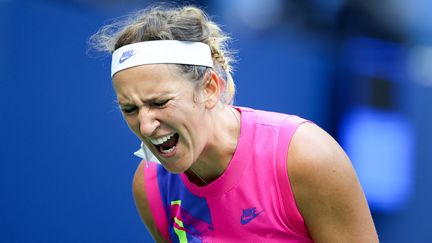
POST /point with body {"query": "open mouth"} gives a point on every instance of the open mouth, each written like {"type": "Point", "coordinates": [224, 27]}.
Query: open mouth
{"type": "Point", "coordinates": [167, 144]}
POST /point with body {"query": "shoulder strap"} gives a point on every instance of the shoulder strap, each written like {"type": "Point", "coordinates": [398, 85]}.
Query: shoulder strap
{"type": "Point", "coordinates": [293, 218]}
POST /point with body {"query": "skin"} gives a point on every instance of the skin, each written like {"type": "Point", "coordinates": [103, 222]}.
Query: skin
{"type": "Point", "coordinates": [325, 186]}
{"type": "Point", "coordinates": [208, 130]}
{"type": "Point", "coordinates": [326, 189]}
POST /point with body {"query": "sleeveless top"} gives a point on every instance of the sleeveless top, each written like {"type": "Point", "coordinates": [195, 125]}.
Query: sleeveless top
{"type": "Point", "coordinates": [251, 201]}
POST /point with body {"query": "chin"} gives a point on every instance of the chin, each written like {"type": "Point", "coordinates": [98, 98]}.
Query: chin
{"type": "Point", "coordinates": [174, 168]}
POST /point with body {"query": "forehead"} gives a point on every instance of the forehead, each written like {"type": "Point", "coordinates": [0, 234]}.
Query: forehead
{"type": "Point", "coordinates": [149, 81]}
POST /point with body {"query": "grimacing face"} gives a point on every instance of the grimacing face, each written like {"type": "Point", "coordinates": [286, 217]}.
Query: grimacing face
{"type": "Point", "coordinates": [160, 107]}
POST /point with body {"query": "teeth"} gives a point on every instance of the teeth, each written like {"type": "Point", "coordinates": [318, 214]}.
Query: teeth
{"type": "Point", "coordinates": [158, 141]}
{"type": "Point", "coordinates": [168, 150]}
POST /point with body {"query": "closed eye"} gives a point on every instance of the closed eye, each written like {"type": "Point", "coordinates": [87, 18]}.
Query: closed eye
{"type": "Point", "coordinates": [129, 109]}
{"type": "Point", "coordinates": [160, 104]}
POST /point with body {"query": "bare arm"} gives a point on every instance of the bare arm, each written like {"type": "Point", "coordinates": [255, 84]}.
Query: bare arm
{"type": "Point", "coordinates": [142, 204]}
{"type": "Point", "coordinates": [326, 189]}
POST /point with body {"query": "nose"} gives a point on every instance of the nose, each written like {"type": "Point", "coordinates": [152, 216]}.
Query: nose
{"type": "Point", "coordinates": [148, 122]}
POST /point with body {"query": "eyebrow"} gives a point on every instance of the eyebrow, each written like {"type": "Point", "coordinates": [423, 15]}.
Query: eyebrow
{"type": "Point", "coordinates": [147, 101]}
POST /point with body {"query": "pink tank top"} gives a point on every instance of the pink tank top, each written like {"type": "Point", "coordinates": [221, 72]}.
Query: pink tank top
{"type": "Point", "coordinates": [251, 202]}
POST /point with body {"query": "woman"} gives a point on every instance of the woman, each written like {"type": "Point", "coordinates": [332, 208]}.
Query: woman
{"type": "Point", "coordinates": [226, 174]}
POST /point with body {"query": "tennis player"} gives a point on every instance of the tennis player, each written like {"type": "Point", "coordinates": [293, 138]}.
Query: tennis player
{"type": "Point", "coordinates": [214, 172]}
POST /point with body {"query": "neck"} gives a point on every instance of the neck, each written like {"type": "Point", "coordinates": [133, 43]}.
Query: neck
{"type": "Point", "coordinates": [220, 148]}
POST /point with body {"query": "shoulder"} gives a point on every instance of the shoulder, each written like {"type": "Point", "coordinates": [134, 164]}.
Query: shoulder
{"type": "Point", "coordinates": [326, 189]}
{"type": "Point", "coordinates": [317, 164]}
{"type": "Point", "coordinates": [313, 151]}
{"type": "Point", "coordinates": [142, 203]}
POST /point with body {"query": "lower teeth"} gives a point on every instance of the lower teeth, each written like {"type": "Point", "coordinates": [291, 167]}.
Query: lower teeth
{"type": "Point", "coordinates": [168, 150]}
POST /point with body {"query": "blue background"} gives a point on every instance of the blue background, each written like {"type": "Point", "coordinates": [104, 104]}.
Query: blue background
{"type": "Point", "coordinates": [66, 161]}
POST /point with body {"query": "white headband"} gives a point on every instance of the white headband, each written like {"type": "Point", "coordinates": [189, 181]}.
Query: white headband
{"type": "Point", "coordinates": [161, 51]}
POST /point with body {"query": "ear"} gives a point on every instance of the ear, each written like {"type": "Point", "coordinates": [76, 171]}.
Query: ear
{"type": "Point", "coordinates": [212, 89]}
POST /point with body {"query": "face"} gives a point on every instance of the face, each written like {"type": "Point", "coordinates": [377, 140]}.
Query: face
{"type": "Point", "coordinates": [165, 112]}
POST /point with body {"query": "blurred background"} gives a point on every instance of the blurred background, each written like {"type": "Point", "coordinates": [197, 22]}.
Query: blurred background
{"type": "Point", "coordinates": [359, 69]}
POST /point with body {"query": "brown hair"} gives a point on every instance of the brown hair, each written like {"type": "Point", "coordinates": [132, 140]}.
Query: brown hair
{"type": "Point", "coordinates": [173, 23]}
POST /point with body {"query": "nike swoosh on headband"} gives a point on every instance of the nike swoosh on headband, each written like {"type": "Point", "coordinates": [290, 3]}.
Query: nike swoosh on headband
{"type": "Point", "coordinates": [161, 51]}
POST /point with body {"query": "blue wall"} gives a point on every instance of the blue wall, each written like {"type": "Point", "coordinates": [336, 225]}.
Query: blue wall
{"type": "Point", "coordinates": [66, 165]}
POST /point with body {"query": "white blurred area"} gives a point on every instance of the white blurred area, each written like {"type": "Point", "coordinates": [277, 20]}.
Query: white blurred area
{"type": "Point", "coordinates": [420, 65]}
{"type": "Point", "coordinates": [416, 19]}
